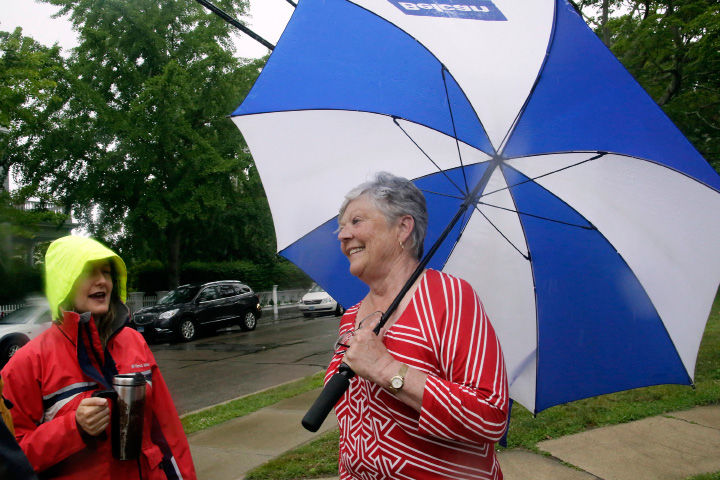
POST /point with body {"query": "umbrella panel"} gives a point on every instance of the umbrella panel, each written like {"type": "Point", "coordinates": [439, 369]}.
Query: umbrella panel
{"type": "Point", "coordinates": [598, 332]}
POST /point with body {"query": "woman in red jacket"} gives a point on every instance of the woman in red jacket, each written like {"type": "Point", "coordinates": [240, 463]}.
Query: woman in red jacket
{"type": "Point", "coordinates": [59, 425]}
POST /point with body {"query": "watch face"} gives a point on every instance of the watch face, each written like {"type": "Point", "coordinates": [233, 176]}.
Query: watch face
{"type": "Point", "coordinates": [397, 382]}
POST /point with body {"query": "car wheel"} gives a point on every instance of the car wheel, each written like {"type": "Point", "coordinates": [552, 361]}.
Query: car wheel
{"type": "Point", "coordinates": [339, 310]}
{"type": "Point", "coordinates": [186, 330]}
{"type": "Point", "coordinates": [10, 347]}
{"type": "Point", "coordinates": [249, 322]}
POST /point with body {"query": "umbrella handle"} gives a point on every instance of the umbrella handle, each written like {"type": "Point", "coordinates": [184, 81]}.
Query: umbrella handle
{"type": "Point", "coordinates": [334, 389]}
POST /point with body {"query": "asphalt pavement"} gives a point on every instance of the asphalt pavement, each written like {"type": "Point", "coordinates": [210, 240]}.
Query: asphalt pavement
{"type": "Point", "coordinates": [672, 446]}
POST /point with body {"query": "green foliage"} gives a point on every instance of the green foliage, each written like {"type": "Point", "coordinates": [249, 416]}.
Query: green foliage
{"type": "Point", "coordinates": [30, 75]}
{"type": "Point", "coordinates": [147, 276]}
{"type": "Point", "coordinates": [144, 152]}
{"type": "Point", "coordinates": [151, 275]}
{"type": "Point", "coordinates": [258, 276]}
{"type": "Point", "coordinates": [19, 230]}
{"type": "Point", "coordinates": [673, 49]}
{"type": "Point", "coordinates": [18, 280]}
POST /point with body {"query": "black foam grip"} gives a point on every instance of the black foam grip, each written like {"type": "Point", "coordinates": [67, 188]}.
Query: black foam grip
{"type": "Point", "coordinates": [334, 389]}
{"type": "Point", "coordinates": [111, 394]}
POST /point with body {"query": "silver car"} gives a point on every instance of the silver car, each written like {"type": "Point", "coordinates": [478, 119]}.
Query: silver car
{"type": "Point", "coordinates": [318, 302]}
{"type": "Point", "coordinates": [19, 327]}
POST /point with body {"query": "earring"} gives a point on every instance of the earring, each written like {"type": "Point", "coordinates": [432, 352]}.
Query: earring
{"type": "Point", "coordinates": [401, 244]}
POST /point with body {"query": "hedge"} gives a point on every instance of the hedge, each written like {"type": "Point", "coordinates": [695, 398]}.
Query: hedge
{"type": "Point", "coordinates": [151, 276]}
{"type": "Point", "coordinates": [18, 280]}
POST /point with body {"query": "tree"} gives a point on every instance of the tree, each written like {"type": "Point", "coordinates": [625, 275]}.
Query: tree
{"type": "Point", "coordinates": [143, 152]}
{"type": "Point", "coordinates": [30, 76]}
{"type": "Point", "coordinates": [672, 47]}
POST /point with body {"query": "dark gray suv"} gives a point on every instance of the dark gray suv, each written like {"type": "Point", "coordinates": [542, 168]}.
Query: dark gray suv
{"type": "Point", "coordinates": [189, 308]}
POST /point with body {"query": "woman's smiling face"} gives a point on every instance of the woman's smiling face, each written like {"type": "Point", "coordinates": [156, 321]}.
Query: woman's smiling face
{"type": "Point", "coordinates": [93, 288]}
{"type": "Point", "coordinates": [367, 240]}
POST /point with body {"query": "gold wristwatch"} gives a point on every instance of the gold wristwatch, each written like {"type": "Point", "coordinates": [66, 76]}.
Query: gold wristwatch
{"type": "Point", "coordinates": [397, 382]}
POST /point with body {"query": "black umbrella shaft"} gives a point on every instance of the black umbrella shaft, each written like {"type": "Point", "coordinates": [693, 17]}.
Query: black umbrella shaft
{"type": "Point", "coordinates": [339, 383]}
{"type": "Point", "coordinates": [236, 24]}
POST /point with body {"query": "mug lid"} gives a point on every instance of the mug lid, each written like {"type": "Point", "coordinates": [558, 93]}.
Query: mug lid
{"type": "Point", "coordinates": [129, 379]}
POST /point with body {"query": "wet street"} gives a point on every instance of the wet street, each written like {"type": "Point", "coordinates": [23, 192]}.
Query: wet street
{"type": "Point", "coordinates": [222, 366]}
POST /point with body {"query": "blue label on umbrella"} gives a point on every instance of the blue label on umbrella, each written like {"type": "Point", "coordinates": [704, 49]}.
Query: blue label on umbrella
{"type": "Point", "coordinates": [473, 9]}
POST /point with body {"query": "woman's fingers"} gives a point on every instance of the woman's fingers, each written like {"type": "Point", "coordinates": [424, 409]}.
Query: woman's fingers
{"type": "Point", "coordinates": [367, 355]}
{"type": "Point", "coordinates": [93, 415]}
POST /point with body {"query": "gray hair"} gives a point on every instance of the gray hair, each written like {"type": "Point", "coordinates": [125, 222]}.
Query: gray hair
{"type": "Point", "coordinates": [395, 197]}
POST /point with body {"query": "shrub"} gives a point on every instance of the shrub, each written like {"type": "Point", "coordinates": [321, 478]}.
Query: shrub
{"type": "Point", "coordinates": [151, 275]}
{"type": "Point", "coordinates": [148, 276]}
{"type": "Point", "coordinates": [18, 280]}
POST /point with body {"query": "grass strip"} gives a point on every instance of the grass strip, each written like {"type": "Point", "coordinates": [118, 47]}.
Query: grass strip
{"type": "Point", "coordinates": [705, 476]}
{"type": "Point", "coordinates": [239, 407]}
{"type": "Point", "coordinates": [316, 459]}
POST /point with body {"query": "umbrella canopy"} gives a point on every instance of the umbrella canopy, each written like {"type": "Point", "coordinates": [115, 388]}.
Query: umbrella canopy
{"type": "Point", "coordinates": [593, 241]}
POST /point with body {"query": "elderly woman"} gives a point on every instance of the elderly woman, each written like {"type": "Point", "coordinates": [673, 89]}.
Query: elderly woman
{"type": "Point", "coordinates": [59, 425]}
{"type": "Point", "coordinates": [430, 396]}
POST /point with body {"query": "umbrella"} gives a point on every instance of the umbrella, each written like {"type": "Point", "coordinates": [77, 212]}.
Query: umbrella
{"type": "Point", "coordinates": [592, 228]}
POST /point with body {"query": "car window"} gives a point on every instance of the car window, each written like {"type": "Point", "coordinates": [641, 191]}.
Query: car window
{"type": "Point", "coordinates": [245, 289]}
{"type": "Point", "coordinates": [316, 288]}
{"type": "Point", "coordinates": [179, 295]}
{"type": "Point", "coordinates": [227, 291]}
{"type": "Point", "coordinates": [210, 293]}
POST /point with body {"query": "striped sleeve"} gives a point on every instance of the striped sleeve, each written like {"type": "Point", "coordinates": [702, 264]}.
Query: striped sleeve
{"type": "Point", "coordinates": [468, 400]}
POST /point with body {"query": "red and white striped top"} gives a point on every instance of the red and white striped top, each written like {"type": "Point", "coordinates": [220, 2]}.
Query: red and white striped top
{"type": "Point", "coordinates": [445, 333]}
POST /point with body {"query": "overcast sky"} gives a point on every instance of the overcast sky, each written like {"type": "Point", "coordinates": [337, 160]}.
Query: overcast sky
{"type": "Point", "coordinates": [267, 18]}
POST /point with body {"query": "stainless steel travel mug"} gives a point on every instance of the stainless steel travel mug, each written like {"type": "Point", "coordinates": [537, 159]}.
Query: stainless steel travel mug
{"type": "Point", "coordinates": [128, 416]}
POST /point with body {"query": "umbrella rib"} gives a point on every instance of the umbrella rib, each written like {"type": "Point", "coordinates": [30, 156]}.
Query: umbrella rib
{"type": "Point", "coordinates": [599, 155]}
{"type": "Point", "coordinates": [456, 197]}
{"type": "Point", "coordinates": [452, 121]}
{"type": "Point", "coordinates": [584, 227]}
{"type": "Point", "coordinates": [440, 170]}
{"type": "Point", "coordinates": [526, 257]}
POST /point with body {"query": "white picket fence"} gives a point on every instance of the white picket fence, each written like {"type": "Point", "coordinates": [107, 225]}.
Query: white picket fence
{"type": "Point", "coordinates": [5, 309]}
{"type": "Point", "coordinates": [284, 297]}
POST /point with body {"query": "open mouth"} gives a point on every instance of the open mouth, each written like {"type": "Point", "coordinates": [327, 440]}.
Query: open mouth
{"type": "Point", "coordinates": [355, 250]}
{"type": "Point", "coordinates": [98, 295]}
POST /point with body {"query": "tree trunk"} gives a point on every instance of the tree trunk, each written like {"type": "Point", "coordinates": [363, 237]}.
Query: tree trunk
{"type": "Point", "coordinates": [604, 21]}
{"type": "Point", "coordinates": [173, 236]}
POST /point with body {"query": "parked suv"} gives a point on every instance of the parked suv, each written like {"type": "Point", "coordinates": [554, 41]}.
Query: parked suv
{"type": "Point", "coordinates": [187, 309]}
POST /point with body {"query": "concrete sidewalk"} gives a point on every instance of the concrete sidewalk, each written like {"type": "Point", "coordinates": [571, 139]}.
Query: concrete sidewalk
{"type": "Point", "coordinates": [667, 447]}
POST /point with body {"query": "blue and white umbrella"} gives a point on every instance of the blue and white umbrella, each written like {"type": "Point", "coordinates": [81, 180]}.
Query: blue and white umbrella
{"type": "Point", "coordinates": [593, 240]}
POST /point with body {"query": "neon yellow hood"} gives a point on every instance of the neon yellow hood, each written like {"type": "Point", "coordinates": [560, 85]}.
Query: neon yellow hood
{"type": "Point", "coordinates": [65, 261]}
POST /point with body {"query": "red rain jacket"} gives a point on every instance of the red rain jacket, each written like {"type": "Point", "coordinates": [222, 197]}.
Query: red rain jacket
{"type": "Point", "coordinates": [47, 379]}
